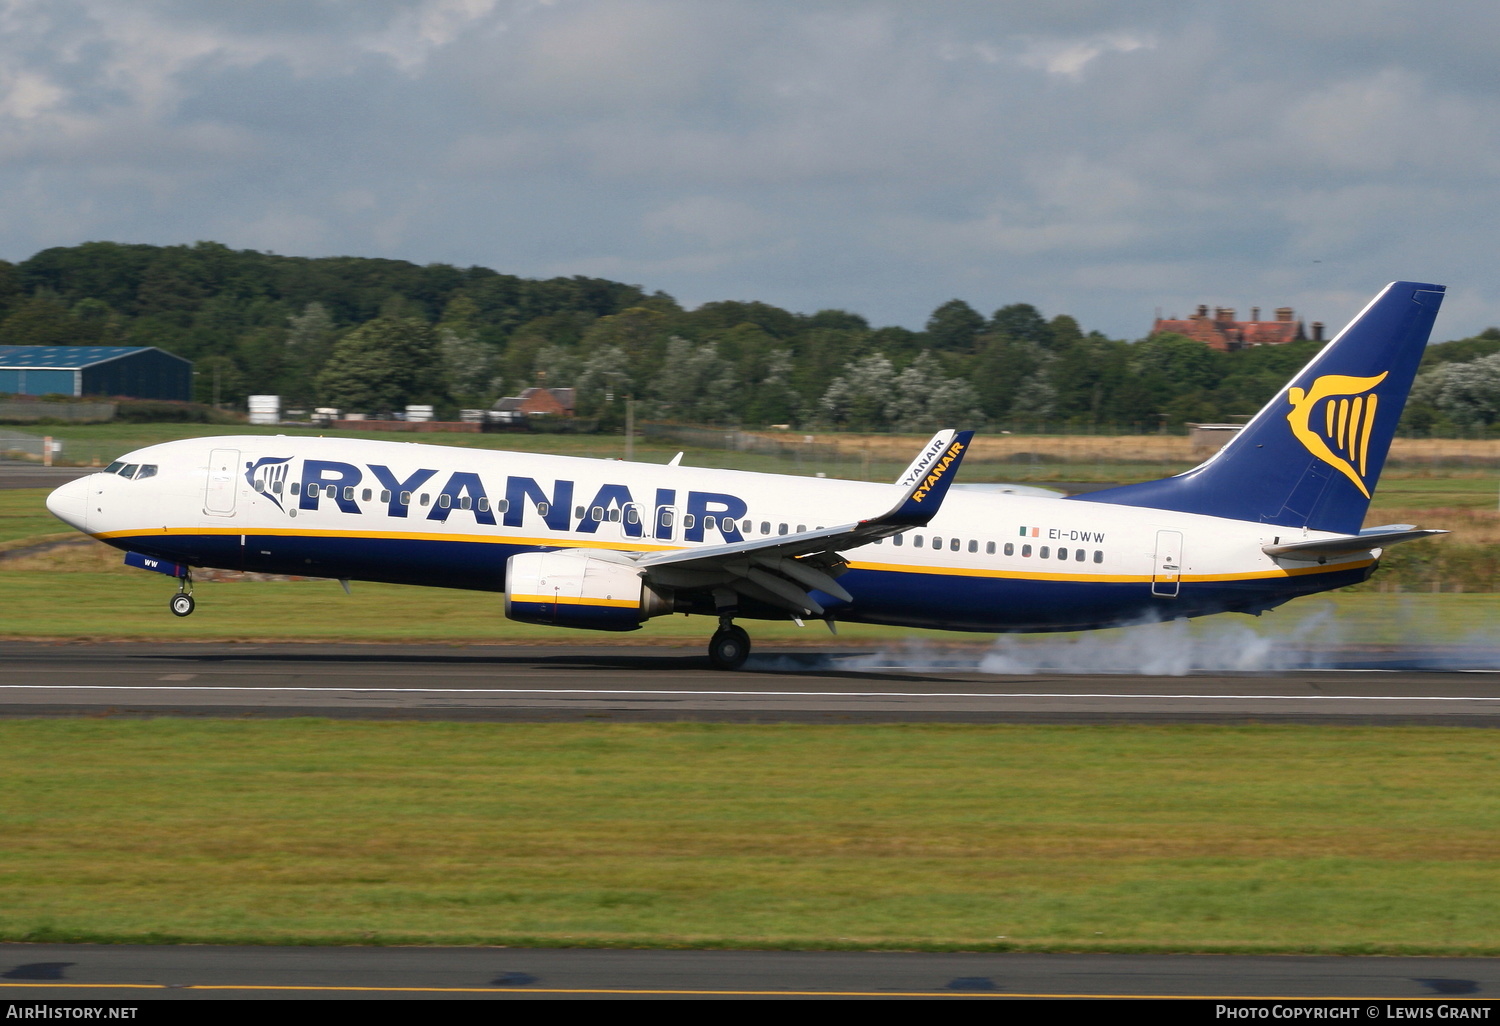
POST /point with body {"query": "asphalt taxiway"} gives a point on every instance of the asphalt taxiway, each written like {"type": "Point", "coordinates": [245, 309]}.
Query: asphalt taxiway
{"type": "Point", "coordinates": [502, 683]}
{"type": "Point", "coordinates": [20, 474]}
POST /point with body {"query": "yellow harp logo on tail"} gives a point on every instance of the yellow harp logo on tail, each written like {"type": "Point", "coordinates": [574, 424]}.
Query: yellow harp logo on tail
{"type": "Point", "coordinates": [1334, 419]}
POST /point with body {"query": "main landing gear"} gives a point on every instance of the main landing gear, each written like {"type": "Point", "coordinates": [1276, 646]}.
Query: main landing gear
{"type": "Point", "coordinates": [729, 647]}
{"type": "Point", "coordinates": [182, 603]}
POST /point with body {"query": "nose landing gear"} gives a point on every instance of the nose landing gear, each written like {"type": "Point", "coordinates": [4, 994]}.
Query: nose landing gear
{"type": "Point", "coordinates": [182, 603]}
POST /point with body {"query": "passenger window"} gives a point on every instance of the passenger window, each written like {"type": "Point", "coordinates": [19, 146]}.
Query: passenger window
{"type": "Point", "coordinates": [781, 529]}
{"type": "Point", "coordinates": [484, 504]}
{"type": "Point", "coordinates": [349, 494]}
{"type": "Point", "coordinates": [801, 528]}
{"type": "Point", "coordinates": [937, 542]}
{"type": "Point", "coordinates": [1046, 551]}
{"type": "Point", "coordinates": [745, 526]}
{"type": "Point", "coordinates": [276, 487]}
{"type": "Point", "coordinates": [543, 508]}
{"type": "Point", "coordinates": [1010, 548]}
{"type": "Point", "coordinates": [1079, 555]}
{"type": "Point", "coordinates": [632, 515]}
{"type": "Point", "coordinates": [989, 549]}
{"type": "Point", "coordinates": [765, 527]}
{"type": "Point", "coordinates": [596, 514]}
{"type": "Point", "coordinates": [896, 540]}
{"type": "Point", "coordinates": [1062, 553]}
{"type": "Point", "coordinates": [614, 516]}
{"type": "Point", "coordinates": [445, 500]}
{"type": "Point", "coordinates": [465, 503]}
{"type": "Point", "coordinates": [687, 521]}
{"type": "Point", "coordinates": [330, 491]}
{"type": "Point", "coordinates": [666, 518]}
{"type": "Point", "coordinates": [501, 505]}
{"type": "Point", "coordinates": [973, 545]}
{"type": "Point", "coordinates": [578, 512]}
{"type": "Point", "coordinates": [1026, 551]}
{"type": "Point", "coordinates": [364, 496]}
{"type": "Point", "coordinates": [406, 498]}
{"type": "Point", "coordinates": [954, 543]}
{"type": "Point", "coordinates": [709, 523]}
{"type": "Point", "coordinates": [147, 470]}
{"type": "Point", "coordinates": [312, 491]}
{"type": "Point", "coordinates": [425, 499]}
{"type": "Point", "coordinates": [1098, 556]}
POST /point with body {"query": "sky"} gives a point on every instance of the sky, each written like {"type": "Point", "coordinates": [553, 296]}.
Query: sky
{"type": "Point", "coordinates": [1101, 158]}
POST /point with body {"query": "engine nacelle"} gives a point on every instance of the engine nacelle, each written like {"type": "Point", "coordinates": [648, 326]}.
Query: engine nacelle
{"type": "Point", "coordinates": [574, 588]}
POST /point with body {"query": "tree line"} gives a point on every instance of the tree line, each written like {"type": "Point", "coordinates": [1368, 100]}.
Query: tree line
{"type": "Point", "coordinates": [375, 334]}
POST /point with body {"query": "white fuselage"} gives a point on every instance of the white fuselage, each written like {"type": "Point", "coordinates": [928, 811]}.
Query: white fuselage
{"type": "Point", "coordinates": [451, 516]}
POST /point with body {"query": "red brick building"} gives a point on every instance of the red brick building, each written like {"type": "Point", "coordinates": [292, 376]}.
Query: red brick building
{"type": "Point", "coordinates": [1224, 333]}
{"type": "Point", "coordinates": [532, 402]}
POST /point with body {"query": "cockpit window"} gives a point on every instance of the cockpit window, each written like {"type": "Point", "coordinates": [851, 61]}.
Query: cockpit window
{"type": "Point", "coordinates": [138, 471]}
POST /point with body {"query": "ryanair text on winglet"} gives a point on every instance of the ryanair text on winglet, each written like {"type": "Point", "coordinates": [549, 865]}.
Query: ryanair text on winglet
{"type": "Point", "coordinates": [937, 472]}
{"type": "Point", "coordinates": [931, 453]}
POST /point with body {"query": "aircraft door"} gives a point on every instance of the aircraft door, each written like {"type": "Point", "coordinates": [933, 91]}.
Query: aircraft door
{"type": "Point", "coordinates": [223, 482]}
{"type": "Point", "coordinates": [1166, 570]}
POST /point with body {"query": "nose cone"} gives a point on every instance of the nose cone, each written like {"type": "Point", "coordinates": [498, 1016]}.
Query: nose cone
{"type": "Point", "coordinates": [70, 503]}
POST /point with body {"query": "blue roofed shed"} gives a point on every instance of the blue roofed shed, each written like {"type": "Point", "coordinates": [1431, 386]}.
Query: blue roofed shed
{"type": "Point", "coordinates": [140, 372]}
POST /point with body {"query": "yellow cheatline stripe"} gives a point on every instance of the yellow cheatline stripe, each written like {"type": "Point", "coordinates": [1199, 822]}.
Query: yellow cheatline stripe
{"type": "Point", "coordinates": [500, 989]}
{"type": "Point", "coordinates": [1106, 578]}
{"type": "Point", "coordinates": [632, 546]}
{"type": "Point", "coordinates": [563, 600]}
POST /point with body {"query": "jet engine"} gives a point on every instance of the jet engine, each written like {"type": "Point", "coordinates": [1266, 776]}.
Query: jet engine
{"type": "Point", "coordinates": [597, 590]}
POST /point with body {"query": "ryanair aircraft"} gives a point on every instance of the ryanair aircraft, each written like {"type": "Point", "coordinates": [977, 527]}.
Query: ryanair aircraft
{"type": "Point", "coordinates": [606, 545]}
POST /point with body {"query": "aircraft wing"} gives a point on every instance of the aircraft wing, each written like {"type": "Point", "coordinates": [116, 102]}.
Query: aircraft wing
{"type": "Point", "coordinates": [783, 570]}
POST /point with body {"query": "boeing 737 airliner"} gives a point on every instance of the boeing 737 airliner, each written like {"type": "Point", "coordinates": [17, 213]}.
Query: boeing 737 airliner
{"type": "Point", "coordinates": [605, 545]}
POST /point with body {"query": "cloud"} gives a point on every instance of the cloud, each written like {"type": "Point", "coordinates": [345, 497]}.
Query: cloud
{"type": "Point", "coordinates": [1095, 157]}
{"type": "Point", "coordinates": [1069, 57]}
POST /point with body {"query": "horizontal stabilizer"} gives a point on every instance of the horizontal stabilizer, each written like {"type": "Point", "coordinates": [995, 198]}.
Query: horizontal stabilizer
{"type": "Point", "coordinates": [1327, 548]}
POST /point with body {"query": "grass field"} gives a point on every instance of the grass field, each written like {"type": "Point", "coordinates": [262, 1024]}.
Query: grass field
{"type": "Point", "coordinates": [1338, 840]}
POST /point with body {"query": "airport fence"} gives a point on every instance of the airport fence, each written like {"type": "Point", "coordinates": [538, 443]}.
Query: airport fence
{"type": "Point", "coordinates": [17, 445]}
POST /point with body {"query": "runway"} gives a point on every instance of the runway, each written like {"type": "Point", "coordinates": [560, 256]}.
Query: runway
{"type": "Point", "coordinates": [131, 973]}
{"type": "Point", "coordinates": [21, 474]}
{"type": "Point", "coordinates": [508, 683]}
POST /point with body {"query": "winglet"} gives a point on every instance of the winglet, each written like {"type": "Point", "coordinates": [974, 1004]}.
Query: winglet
{"type": "Point", "coordinates": [930, 451]}
{"type": "Point", "coordinates": [928, 478]}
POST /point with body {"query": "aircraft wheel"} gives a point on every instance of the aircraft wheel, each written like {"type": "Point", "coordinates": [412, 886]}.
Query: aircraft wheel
{"type": "Point", "coordinates": [182, 604]}
{"type": "Point", "coordinates": [729, 648]}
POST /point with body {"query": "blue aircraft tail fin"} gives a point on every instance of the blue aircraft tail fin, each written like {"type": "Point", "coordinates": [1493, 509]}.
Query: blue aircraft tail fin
{"type": "Point", "coordinates": [1311, 457]}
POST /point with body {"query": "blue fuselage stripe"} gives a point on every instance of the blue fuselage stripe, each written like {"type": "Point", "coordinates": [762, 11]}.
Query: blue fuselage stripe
{"type": "Point", "coordinates": [913, 598]}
